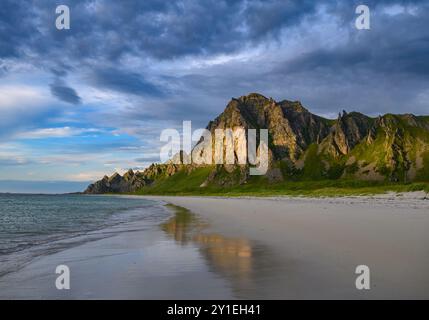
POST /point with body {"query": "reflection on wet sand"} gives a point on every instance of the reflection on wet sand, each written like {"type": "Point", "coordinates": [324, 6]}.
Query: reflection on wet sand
{"type": "Point", "coordinates": [183, 225]}
{"type": "Point", "coordinates": [229, 257]}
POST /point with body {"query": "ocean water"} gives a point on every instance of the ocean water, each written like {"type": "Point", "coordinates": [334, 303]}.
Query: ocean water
{"type": "Point", "coordinates": [35, 225]}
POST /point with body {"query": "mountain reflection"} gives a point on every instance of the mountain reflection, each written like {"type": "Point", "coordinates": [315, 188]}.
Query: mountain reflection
{"type": "Point", "coordinates": [230, 257]}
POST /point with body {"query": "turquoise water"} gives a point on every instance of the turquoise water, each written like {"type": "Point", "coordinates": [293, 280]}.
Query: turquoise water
{"type": "Point", "coordinates": [33, 225]}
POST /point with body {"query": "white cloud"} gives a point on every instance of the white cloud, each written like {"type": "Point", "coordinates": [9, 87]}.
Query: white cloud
{"type": "Point", "coordinates": [395, 9]}
{"type": "Point", "coordinates": [12, 154]}
{"type": "Point", "coordinates": [85, 176]}
{"type": "Point", "coordinates": [21, 97]}
{"type": "Point", "coordinates": [61, 132]}
{"type": "Point", "coordinates": [22, 106]}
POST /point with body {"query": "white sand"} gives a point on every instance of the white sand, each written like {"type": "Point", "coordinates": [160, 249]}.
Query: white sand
{"type": "Point", "coordinates": [311, 247]}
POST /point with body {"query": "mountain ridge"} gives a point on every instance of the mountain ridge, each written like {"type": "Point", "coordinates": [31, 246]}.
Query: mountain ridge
{"type": "Point", "coordinates": [302, 146]}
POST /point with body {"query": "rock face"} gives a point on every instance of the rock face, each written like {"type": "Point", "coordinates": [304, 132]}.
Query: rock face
{"type": "Point", "coordinates": [129, 182]}
{"type": "Point", "coordinates": [302, 146]}
{"type": "Point", "coordinates": [292, 128]}
{"type": "Point", "coordinates": [347, 132]}
{"type": "Point", "coordinates": [132, 181]}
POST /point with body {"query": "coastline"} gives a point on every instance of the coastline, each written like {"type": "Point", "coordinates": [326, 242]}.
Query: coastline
{"type": "Point", "coordinates": [248, 248]}
{"type": "Point", "coordinates": [137, 261]}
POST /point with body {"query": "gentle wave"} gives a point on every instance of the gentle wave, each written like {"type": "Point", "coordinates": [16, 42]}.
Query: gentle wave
{"type": "Point", "coordinates": [35, 225]}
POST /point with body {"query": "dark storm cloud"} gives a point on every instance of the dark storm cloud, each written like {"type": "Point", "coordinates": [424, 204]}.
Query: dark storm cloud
{"type": "Point", "coordinates": [385, 69]}
{"type": "Point", "coordinates": [64, 93]}
{"type": "Point", "coordinates": [106, 30]}
{"type": "Point", "coordinates": [159, 29]}
{"type": "Point", "coordinates": [16, 27]}
{"type": "Point", "coordinates": [393, 45]}
{"type": "Point", "coordinates": [343, 10]}
{"type": "Point", "coordinates": [106, 33]}
{"type": "Point", "coordinates": [123, 81]}
{"type": "Point", "coordinates": [268, 17]}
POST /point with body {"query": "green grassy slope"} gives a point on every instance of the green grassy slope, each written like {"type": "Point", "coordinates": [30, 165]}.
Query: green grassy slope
{"type": "Point", "coordinates": [184, 183]}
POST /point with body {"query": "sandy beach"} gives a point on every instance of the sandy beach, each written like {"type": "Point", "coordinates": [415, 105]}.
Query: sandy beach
{"type": "Point", "coordinates": [309, 248]}
{"type": "Point", "coordinates": [249, 248]}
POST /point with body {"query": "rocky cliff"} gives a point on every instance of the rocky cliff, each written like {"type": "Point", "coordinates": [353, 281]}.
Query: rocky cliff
{"type": "Point", "coordinates": [304, 146]}
{"type": "Point", "coordinates": [129, 182]}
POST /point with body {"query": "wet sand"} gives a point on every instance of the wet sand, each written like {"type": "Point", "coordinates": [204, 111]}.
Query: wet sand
{"type": "Point", "coordinates": [138, 262]}
{"type": "Point", "coordinates": [310, 248]}
{"type": "Point", "coordinates": [247, 248]}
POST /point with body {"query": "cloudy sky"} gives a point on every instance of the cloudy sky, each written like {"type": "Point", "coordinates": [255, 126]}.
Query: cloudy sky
{"type": "Point", "coordinates": [77, 104]}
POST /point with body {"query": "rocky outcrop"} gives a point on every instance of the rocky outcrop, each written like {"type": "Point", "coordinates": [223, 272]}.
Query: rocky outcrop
{"type": "Point", "coordinates": [292, 128]}
{"type": "Point", "coordinates": [307, 127]}
{"type": "Point", "coordinates": [129, 182]}
{"type": "Point", "coordinates": [132, 181]}
{"type": "Point", "coordinates": [349, 130]}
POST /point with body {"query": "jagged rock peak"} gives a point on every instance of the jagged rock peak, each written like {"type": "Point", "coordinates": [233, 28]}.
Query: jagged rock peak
{"type": "Point", "coordinates": [129, 182]}
{"type": "Point", "coordinates": [295, 106]}
{"type": "Point", "coordinates": [253, 96]}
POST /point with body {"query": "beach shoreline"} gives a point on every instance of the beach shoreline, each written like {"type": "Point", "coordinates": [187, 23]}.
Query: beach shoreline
{"type": "Point", "coordinates": [321, 241]}
{"type": "Point", "coordinates": [249, 248]}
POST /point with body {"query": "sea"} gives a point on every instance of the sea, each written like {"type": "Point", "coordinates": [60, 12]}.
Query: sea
{"type": "Point", "coordinates": [33, 225]}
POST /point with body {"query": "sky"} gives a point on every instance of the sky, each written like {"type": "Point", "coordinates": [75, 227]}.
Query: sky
{"type": "Point", "coordinates": [92, 100]}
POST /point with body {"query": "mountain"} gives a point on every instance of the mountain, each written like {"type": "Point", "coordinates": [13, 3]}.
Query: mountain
{"type": "Point", "coordinates": [302, 146]}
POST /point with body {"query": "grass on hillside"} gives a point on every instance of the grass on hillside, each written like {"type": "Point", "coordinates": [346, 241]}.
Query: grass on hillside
{"type": "Point", "coordinates": [184, 183]}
